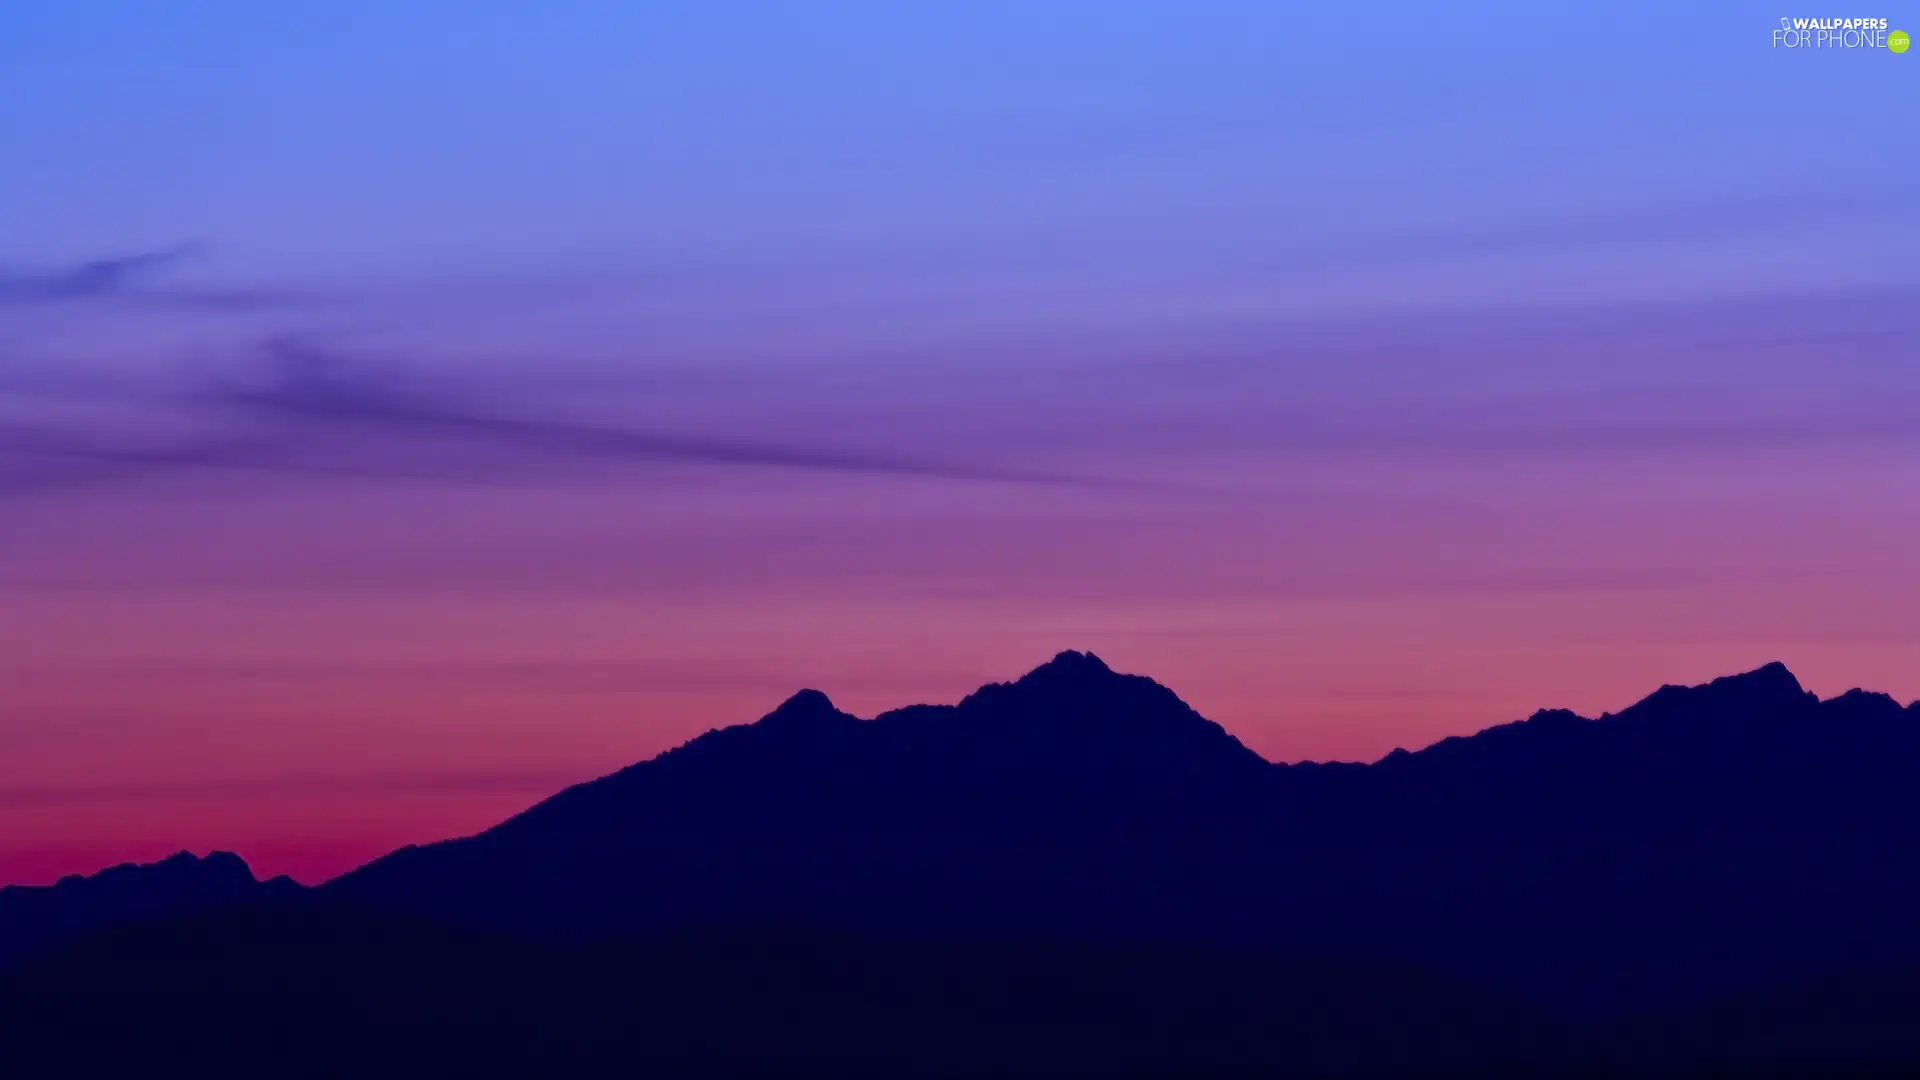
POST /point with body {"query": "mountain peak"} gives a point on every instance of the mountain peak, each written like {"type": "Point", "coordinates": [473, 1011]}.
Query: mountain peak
{"type": "Point", "coordinates": [1080, 684]}
{"type": "Point", "coordinates": [1074, 714]}
{"type": "Point", "coordinates": [803, 704]}
{"type": "Point", "coordinates": [1770, 686]}
{"type": "Point", "coordinates": [34, 915]}
{"type": "Point", "coordinates": [807, 714]}
{"type": "Point", "coordinates": [1069, 665]}
{"type": "Point", "coordinates": [1768, 689]}
{"type": "Point", "coordinates": [1772, 676]}
{"type": "Point", "coordinates": [179, 866]}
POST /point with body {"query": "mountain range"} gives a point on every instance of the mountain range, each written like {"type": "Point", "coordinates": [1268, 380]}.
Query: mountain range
{"type": "Point", "coordinates": [1715, 847]}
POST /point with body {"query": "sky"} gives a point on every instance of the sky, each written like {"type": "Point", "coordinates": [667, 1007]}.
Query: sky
{"type": "Point", "coordinates": [409, 409]}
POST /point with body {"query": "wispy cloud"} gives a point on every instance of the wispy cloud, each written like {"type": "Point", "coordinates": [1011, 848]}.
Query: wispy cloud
{"type": "Point", "coordinates": [129, 280]}
{"type": "Point", "coordinates": [309, 410]}
{"type": "Point", "coordinates": [89, 280]}
{"type": "Point", "coordinates": [318, 389]}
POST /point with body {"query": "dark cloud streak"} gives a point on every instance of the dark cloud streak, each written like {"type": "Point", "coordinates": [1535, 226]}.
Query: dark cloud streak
{"type": "Point", "coordinates": [127, 280]}
{"type": "Point", "coordinates": [317, 388]}
{"type": "Point", "coordinates": [317, 413]}
{"type": "Point", "coordinates": [89, 280]}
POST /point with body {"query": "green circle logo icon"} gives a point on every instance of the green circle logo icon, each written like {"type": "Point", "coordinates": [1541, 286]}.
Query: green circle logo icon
{"type": "Point", "coordinates": [1898, 41]}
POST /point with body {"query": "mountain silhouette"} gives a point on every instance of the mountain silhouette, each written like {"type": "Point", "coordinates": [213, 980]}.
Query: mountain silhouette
{"type": "Point", "coordinates": [1071, 744]}
{"type": "Point", "coordinates": [1710, 838]}
{"type": "Point", "coordinates": [1739, 752]}
{"type": "Point", "coordinates": [1073, 872]}
{"type": "Point", "coordinates": [35, 916]}
{"type": "Point", "coordinates": [1705, 837]}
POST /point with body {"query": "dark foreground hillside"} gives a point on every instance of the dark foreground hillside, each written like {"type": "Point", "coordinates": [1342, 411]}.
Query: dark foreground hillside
{"type": "Point", "coordinates": [302, 990]}
{"type": "Point", "coordinates": [1719, 877]}
{"type": "Point", "coordinates": [307, 990]}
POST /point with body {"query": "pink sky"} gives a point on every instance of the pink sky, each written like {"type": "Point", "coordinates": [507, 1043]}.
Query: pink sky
{"type": "Point", "coordinates": [312, 671]}
{"type": "Point", "coordinates": [403, 417]}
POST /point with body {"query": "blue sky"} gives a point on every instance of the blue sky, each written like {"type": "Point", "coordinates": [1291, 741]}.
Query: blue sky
{"type": "Point", "coordinates": [420, 137]}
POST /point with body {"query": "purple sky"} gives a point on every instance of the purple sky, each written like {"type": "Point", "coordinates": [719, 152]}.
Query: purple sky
{"type": "Point", "coordinates": [405, 413]}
